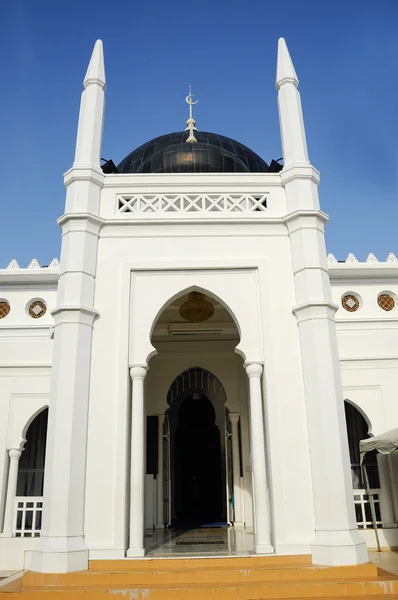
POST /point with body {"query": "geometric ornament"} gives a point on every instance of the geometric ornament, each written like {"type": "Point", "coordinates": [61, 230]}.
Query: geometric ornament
{"type": "Point", "coordinates": [4, 309]}
{"type": "Point", "coordinates": [386, 302]}
{"type": "Point", "coordinates": [350, 303]}
{"type": "Point", "coordinates": [37, 309]}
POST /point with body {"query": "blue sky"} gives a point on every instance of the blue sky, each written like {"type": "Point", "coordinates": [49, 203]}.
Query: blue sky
{"type": "Point", "coordinates": [345, 54]}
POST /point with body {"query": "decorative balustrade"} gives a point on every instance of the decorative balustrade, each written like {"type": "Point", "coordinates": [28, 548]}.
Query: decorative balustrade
{"type": "Point", "coordinates": [192, 203]}
{"type": "Point", "coordinates": [362, 508]}
{"type": "Point", "coordinates": [28, 513]}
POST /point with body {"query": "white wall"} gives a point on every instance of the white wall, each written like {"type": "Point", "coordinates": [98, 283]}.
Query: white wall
{"type": "Point", "coordinates": [25, 373]}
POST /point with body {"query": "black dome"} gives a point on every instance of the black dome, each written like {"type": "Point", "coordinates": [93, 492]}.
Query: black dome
{"type": "Point", "coordinates": [212, 153]}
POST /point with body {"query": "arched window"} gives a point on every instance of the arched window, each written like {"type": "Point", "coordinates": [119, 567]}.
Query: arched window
{"type": "Point", "coordinates": [357, 429]}
{"type": "Point", "coordinates": [31, 463]}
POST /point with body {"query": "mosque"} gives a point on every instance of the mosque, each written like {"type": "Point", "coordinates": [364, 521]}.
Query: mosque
{"type": "Point", "coordinates": [195, 362]}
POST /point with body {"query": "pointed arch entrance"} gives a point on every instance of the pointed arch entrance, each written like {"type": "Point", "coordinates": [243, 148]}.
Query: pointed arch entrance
{"type": "Point", "coordinates": [196, 422]}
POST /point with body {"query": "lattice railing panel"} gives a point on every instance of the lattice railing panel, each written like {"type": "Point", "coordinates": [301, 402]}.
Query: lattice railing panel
{"type": "Point", "coordinates": [362, 508]}
{"type": "Point", "coordinates": [197, 203]}
{"type": "Point", "coordinates": [28, 513]}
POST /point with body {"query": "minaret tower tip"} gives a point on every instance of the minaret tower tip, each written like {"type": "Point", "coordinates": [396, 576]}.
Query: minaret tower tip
{"type": "Point", "coordinates": [294, 144]}
{"type": "Point", "coordinates": [285, 70]}
{"type": "Point", "coordinates": [191, 123]}
{"type": "Point", "coordinates": [96, 68]}
{"type": "Point", "coordinates": [91, 116]}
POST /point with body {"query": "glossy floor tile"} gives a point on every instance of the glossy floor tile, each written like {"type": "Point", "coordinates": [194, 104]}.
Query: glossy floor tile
{"type": "Point", "coordinates": [206, 541]}
{"type": "Point", "coordinates": [387, 560]}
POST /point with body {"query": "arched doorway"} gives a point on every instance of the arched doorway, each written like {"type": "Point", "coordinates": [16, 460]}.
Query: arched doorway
{"type": "Point", "coordinates": [196, 420]}
{"type": "Point", "coordinates": [29, 507]}
{"type": "Point", "coordinates": [197, 453]}
{"type": "Point", "coordinates": [357, 429]}
{"type": "Point", "coordinates": [32, 461]}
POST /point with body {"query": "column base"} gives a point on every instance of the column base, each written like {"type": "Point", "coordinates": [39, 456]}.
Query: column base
{"type": "Point", "coordinates": [264, 549]}
{"type": "Point", "coordinates": [135, 552]}
{"type": "Point", "coordinates": [59, 555]}
{"type": "Point", "coordinates": [238, 524]}
{"type": "Point", "coordinates": [339, 548]}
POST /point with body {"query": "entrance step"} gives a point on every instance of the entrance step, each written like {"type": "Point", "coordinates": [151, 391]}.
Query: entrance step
{"type": "Point", "coordinates": [235, 578]}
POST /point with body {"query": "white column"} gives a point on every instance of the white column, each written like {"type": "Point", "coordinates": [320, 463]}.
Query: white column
{"type": "Point", "coordinates": [137, 477]}
{"type": "Point", "coordinates": [14, 454]}
{"type": "Point", "coordinates": [234, 419]}
{"type": "Point", "coordinates": [159, 478]}
{"type": "Point", "coordinates": [386, 500]}
{"type": "Point", "coordinates": [261, 507]}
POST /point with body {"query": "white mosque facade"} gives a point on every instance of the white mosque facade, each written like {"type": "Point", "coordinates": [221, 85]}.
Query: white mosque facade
{"type": "Point", "coordinates": [194, 357]}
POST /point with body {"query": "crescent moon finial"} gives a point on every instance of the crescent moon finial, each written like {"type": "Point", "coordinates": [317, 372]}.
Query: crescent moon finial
{"type": "Point", "coordinates": [191, 121]}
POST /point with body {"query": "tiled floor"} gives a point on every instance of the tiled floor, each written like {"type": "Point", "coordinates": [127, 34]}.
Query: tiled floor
{"type": "Point", "coordinates": [387, 560]}
{"type": "Point", "coordinates": [207, 541]}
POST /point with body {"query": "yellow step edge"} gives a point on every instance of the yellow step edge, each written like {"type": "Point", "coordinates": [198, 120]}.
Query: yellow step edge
{"type": "Point", "coordinates": [293, 592]}
{"type": "Point", "coordinates": [215, 562]}
{"type": "Point", "coordinates": [90, 578]}
{"type": "Point", "coordinates": [286, 589]}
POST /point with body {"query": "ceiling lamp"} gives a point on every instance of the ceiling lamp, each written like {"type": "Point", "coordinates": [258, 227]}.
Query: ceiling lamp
{"type": "Point", "coordinates": [196, 309]}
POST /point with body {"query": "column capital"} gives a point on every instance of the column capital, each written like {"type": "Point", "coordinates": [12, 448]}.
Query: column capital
{"type": "Point", "coordinates": [254, 369]}
{"type": "Point", "coordinates": [234, 417]}
{"type": "Point", "coordinates": [75, 315]}
{"type": "Point", "coordinates": [138, 372]}
{"type": "Point", "coordinates": [15, 452]}
{"type": "Point", "coordinates": [315, 309]}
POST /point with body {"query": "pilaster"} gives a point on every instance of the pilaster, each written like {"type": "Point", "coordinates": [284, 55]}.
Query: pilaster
{"type": "Point", "coordinates": [234, 419]}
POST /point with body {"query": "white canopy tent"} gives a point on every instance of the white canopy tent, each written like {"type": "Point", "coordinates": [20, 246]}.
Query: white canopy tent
{"type": "Point", "coordinates": [385, 443]}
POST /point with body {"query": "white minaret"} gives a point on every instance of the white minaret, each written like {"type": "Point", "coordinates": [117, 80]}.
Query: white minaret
{"type": "Point", "coordinates": [336, 540]}
{"type": "Point", "coordinates": [294, 144]}
{"type": "Point", "coordinates": [62, 547]}
{"type": "Point", "coordinates": [91, 117]}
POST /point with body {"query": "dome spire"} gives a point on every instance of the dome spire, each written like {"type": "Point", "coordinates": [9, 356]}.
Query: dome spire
{"type": "Point", "coordinates": [191, 121]}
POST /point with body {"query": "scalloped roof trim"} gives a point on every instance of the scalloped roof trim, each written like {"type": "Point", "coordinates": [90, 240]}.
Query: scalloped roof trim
{"type": "Point", "coordinates": [34, 264]}
{"type": "Point", "coordinates": [352, 259]}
